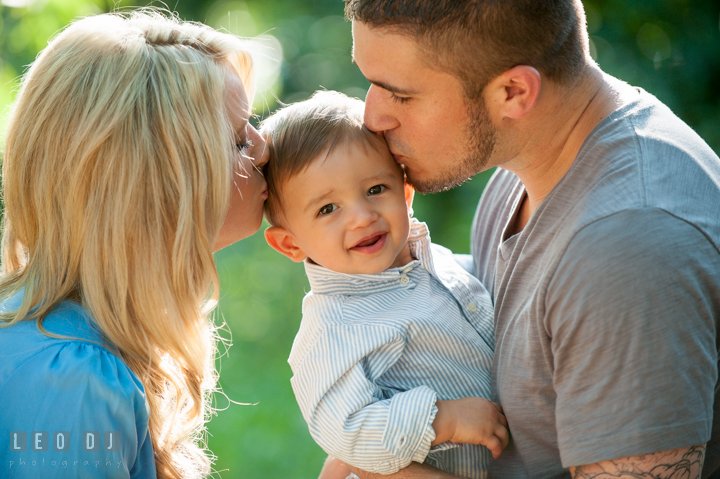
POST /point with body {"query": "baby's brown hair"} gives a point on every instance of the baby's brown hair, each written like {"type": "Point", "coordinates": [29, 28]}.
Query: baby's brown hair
{"type": "Point", "coordinates": [301, 133]}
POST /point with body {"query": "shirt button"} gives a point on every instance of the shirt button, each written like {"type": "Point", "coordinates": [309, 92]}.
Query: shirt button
{"type": "Point", "coordinates": [472, 307]}
{"type": "Point", "coordinates": [404, 279]}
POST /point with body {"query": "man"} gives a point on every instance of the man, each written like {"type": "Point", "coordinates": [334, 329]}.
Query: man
{"type": "Point", "coordinates": [598, 237]}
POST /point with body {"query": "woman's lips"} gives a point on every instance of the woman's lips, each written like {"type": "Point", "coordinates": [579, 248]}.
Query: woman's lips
{"type": "Point", "coordinates": [370, 244]}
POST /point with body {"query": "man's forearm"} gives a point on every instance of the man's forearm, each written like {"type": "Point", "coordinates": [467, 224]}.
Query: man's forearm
{"type": "Point", "coordinates": [685, 463]}
{"type": "Point", "coordinates": [413, 471]}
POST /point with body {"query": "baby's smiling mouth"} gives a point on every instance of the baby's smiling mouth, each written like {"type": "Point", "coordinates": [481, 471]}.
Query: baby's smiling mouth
{"type": "Point", "coordinates": [371, 243]}
{"type": "Point", "coordinates": [368, 242]}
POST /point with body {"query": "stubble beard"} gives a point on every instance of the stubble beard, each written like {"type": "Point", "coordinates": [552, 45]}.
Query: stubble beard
{"type": "Point", "coordinates": [481, 136]}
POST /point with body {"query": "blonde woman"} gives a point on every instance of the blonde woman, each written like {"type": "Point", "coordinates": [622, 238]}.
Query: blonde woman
{"type": "Point", "coordinates": [128, 160]}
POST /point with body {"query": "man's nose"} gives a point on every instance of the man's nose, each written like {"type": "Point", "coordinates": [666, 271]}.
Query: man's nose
{"type": "Point", "coordinates": [379, 115]}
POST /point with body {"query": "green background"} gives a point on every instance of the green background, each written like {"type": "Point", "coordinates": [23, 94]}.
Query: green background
{"type": "Point", "coordinates": [669, 47]}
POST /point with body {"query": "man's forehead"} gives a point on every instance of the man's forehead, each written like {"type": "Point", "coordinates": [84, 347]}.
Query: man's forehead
{"type": "Point", "coordinates": [385, 57]}
{"type": "Point", "coordinates": [378, 37]}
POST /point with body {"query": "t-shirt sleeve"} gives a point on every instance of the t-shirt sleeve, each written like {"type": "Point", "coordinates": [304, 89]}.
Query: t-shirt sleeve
{"type": "Point", "coordinates": [632, 311]}
{"type": "Point", "coordinates": [89, 409]}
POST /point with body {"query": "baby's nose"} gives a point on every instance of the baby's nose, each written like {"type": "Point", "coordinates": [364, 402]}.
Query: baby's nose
{"type": "Point", "coordinates": [362, 216]}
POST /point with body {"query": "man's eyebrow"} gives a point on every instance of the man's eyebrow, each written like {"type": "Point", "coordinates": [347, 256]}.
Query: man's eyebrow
{"type": "Point", "coordinates": [383, 85]}
{"type": "Point", "coordinates": [391, 88]}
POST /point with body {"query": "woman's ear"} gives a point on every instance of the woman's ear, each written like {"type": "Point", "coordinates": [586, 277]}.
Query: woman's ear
{"type": "Point", "coordinates": [514, 93]}
{"type": "Point", "coordinates": [282, 241]}
{"type": "Point", "coordinates": [409, 195]}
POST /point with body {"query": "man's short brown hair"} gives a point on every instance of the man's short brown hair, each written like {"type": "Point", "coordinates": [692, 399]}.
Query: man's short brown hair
{"type": "Point", "coordinates": [477, 40]}
{"type": "Point", "coordinates": [301, 133]}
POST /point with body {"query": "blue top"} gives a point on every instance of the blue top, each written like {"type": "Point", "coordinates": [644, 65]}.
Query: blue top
{"type": "Point", "coordinates": [375, 351]}
{"type": "Point", "coordinates": [70, 407]}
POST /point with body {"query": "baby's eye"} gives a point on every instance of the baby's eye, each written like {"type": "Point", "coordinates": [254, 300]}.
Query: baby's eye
{"type": "Point", "coordinates": [376, 190]}
{"type": "Point", "coordinates": [327, 209]}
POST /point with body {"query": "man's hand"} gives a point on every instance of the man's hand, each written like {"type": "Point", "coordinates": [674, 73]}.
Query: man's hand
{"type": "Point", "coordinates": [684, 463]}
{"type": "Point", "coordinates": [472, 420]}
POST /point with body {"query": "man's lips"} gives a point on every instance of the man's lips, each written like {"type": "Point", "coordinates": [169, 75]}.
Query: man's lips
{"type": "Point", "coordinates": [370, 244]}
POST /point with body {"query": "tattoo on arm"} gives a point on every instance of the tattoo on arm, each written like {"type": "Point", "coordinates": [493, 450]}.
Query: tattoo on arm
{"type": "Point", "coordinates": [684, 463]}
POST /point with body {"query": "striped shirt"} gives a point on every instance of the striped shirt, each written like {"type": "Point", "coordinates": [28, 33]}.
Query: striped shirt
{"type": "Point", "coordinates": [375, 351]}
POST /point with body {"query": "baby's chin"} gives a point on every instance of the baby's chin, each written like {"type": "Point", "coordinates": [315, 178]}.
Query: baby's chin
{"type": "Point", "coordinates": [370, 267]}
{"type": "Point", "coordinates": [355, 270]}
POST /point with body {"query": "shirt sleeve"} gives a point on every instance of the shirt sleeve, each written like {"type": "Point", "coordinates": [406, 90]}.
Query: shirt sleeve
{"type": "Point", "coordinates": [350, 416]}
{"type": "Point", "coordinates": [632, 311]}
{"type": "Point", "coordinates": [89, 409]}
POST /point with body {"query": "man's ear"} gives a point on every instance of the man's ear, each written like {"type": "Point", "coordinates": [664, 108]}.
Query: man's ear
{"type": "Point", "coordinates": [282, 241]}
{"type": "Point", "coordinates": [409, 195]}
{"type": "Point", "coordinates": [515, 92]}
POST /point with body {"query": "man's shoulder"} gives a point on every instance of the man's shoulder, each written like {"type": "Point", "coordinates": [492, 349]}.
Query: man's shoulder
{"type": "Point", "coordinates": [644, 157]}
{"type": "Point", "coordinates": [634, 154]}
{"type": "Point", "coordinates": [646, 132]}
{"type": "Point", "coordinates": [640, 158]}
{"type": "Point", "coordinates": [650, 241]}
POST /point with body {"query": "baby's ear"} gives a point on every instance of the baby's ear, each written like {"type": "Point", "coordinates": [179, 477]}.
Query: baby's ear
{"type": "Point", "coordinates": [409, 195]}
{"type": "Point", "coordinates": [284, 242]}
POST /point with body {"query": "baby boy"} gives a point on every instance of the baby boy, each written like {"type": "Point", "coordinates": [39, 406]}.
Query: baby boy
{"type": "Point", "coordinates": [392, 360]}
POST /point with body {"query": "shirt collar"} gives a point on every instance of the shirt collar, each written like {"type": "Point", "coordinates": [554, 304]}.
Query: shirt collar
{"type": "Point", "coordinates": [325, 281]}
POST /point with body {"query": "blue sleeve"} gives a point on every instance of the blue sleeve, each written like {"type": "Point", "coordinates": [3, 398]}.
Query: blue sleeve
{"type": "Point", "coordinates": [84, 410]}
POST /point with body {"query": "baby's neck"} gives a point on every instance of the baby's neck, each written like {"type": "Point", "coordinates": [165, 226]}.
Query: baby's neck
{"type": "Point", "coordinates": [404, 257]}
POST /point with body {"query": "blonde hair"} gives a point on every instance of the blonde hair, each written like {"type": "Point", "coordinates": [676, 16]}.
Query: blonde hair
{"type": "Point", "coordinates": [117, 174]}
{"type": "Point", "coordinates": [298, 134]}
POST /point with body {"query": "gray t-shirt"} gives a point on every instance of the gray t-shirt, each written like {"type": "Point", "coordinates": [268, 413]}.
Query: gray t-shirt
{"type": "Point", "coordinates": [608, 302]}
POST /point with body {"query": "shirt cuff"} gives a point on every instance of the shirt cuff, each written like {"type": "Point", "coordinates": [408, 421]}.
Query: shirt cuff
{"type": "Point", "coordinates": [409, 431]}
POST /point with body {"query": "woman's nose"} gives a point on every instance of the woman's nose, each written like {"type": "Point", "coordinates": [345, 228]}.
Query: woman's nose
{"type": "Point", "coordinates": [260, 151]}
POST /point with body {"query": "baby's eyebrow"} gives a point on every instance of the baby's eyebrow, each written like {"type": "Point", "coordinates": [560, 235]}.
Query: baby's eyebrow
{"type": "Point", "coordinates": [317, 199]}
{"type": "Point", "coordinates": [378, 177]}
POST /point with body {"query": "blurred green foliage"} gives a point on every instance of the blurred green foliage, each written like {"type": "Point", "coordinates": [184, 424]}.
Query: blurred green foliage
{"type": "Point", "coordinates": [669, 47]}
